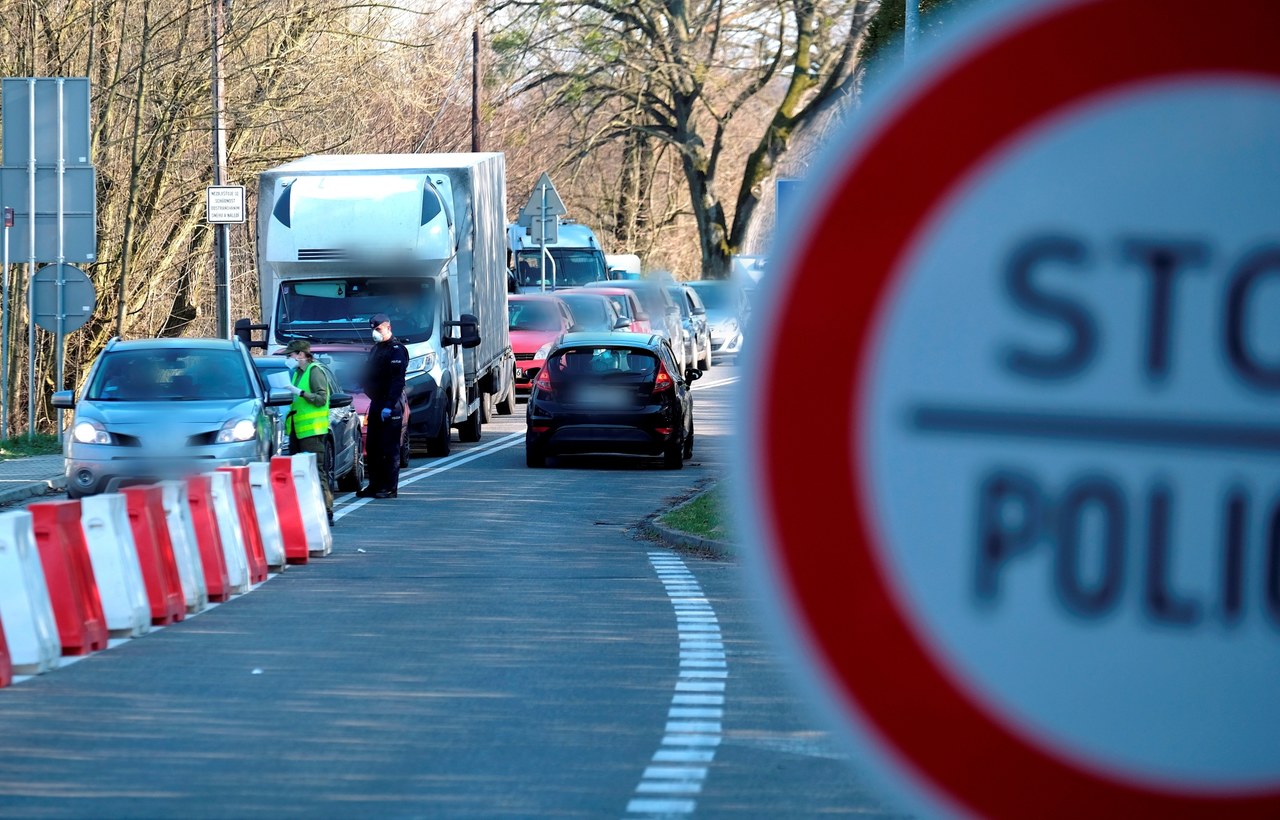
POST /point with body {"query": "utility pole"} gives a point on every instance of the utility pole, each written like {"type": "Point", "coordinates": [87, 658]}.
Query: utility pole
{"type": "Point", "coordinates": [910, 28]}
{"type": "Point", "coordinates": [475, 87]}
{"type": "Point", "coordinates": [221, 235]}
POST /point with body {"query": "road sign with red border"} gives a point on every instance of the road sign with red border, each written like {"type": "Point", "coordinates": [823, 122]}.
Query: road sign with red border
{"type": "Point", "coordinates": [1037, 572]}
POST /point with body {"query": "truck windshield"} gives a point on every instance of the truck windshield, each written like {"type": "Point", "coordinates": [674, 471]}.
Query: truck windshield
{"type": "Point", "coordinates": [573, 267]}
{"type": "Point", "coordinates": [338, 310]}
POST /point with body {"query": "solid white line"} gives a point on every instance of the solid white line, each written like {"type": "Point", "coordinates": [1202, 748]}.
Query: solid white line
{"type": "Point", "coordinates": [732, 380]}
{"type": "Point", "coordinates": [469, 456]}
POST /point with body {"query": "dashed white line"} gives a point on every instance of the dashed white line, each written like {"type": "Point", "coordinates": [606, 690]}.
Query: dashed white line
{"type": "Point", "coordinates": [694, 720]}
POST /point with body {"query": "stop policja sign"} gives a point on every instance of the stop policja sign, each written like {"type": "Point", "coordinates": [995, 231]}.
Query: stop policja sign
{"type": "Point", "coordinates": [1037, 573]}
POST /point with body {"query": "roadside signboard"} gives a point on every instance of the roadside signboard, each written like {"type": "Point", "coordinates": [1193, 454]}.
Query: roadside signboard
{"type": "Point", "coordinates": [224, 204]}
{"type": "Point", "coordinates": [79, 298]}
{"type": "Point", "coordinates": [1036, 570]}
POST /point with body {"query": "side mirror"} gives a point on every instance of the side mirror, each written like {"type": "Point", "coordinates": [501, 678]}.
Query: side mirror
{"type": "Point", "coordinates": [642, 317]}
{"type": "Point", "coordinates": [699, 311]}
{"type": "Point", "coordinates": [622, 324]}
{"type": "Point", "coordinates": [65, 399]}
{"type": "Point", "coordinates": [339, 399]}
{"type": "Point", "coordinates": [279, 397]}
{"type": "Point", "coordinates": [244, 332]}
{"type": "Point", "coordinates": [692, 374]}
{"type": "Point", "coordinates": [468, 331]}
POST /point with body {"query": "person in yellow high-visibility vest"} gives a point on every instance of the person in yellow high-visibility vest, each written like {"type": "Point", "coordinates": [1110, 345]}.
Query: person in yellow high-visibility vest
{"type": "Point", "coordinates": [308, 420]}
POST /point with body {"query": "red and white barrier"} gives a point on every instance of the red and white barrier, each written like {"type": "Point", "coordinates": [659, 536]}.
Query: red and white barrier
{"type": "Point", "coordinates": [6, 665]}
{"type": "Point", "coordinates": [105, 521]}
{"type": "Point", "coordinates": [68, 572]}
{"type": "Point", "coordinates": [30, 628]}
{"type": "Point", "coordinates": [155, 553]}
{"type": "Point", "coordinates": [264, 507]}
{"type": "Point", "coordinates": [204, 519]}
{"type": "Point", "coordinates": [186, 551]}
{"type": "Point", "coordinates": [293, 527]}
{"type": "Point", "coordinates": [306, 478]}
{"type": "Point", "coordinates": [242, 498]}
{"type": "Point", "coordinates": [233, 551]}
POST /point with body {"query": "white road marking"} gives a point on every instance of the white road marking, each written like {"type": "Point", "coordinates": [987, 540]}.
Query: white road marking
{"type": "Point", "coordinates": [708, 386]}
{"type": "Point", "coordinates": [694, 720]}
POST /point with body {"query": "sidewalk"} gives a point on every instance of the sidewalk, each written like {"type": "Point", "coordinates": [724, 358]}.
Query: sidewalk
{"type": "Point", "coordinates": [22, 478]}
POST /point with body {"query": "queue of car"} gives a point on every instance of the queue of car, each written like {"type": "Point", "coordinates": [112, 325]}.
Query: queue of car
{"type": "Point", "coordinates": [607, 368]}
{"type": "Point", "coordinates": [621, 386]}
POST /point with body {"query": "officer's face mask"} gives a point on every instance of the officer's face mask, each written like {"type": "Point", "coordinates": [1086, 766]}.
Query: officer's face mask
{"type": "Point", "coordinates": [292, 363]}
{"type": "Point", "coordinates": [376, 334]}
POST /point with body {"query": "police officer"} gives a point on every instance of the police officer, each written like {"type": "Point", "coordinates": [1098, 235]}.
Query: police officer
{"type": "Point", "coordinates": [308, 421]}
{"type": "Point", "coordinates": [384, 385]}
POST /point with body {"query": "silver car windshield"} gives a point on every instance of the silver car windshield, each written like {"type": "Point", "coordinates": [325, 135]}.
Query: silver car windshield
{"type": "Point", "coordinates": [170, 374]}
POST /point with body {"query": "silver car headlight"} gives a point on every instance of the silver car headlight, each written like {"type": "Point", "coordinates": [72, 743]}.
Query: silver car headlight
{"type": "Point", "coordinates": [421, 364]}
{"type": "Point", "coordinates": [90, 432]}
{"type": "Point", "coordinates": [729, 326]}
{"type": "Point", "coordinates": [238, 430]}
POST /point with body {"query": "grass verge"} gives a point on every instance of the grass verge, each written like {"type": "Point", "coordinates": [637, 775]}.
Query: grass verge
{"type": "Point", "coordinates": [42, 444]}
{"type": "Point", "coordinates": [705, 516]}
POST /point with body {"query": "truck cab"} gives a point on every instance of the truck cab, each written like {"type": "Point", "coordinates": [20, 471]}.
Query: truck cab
{"type": "Point", "coordinates": [573, 260]}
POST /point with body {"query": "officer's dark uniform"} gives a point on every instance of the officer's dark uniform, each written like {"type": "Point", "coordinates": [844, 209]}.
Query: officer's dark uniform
{"type": "Point", "coordinates": [384, 385]}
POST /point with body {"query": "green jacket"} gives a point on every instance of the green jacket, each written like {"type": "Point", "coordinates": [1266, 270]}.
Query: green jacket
{"type": "Point", "coordinates": [309, 413]}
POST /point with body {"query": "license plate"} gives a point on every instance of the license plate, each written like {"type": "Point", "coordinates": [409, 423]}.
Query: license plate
{"type": "Point", "coordinates": [519, 372]}
{"type": "Point", "coordinates": [603, 396]}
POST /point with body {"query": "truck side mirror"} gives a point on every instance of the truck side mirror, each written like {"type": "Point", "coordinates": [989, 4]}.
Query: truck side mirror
{"type": "Point", "coordinates": [468, 331]}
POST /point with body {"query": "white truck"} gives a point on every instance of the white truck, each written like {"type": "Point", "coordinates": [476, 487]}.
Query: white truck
{"type": "Point", "coordinates": [419, 237]}
{"type": "Point", "coordinates": [573, 260]}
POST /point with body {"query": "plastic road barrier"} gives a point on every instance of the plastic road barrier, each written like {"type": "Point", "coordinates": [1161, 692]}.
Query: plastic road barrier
{"type": "Point", "coordinates": [306, 477]}
{"type": "Point", "coordinates": [293, 530]}
{"type": "Point", "coordinates": [264, 506]}
{"type": "Point", "coordinates": [155, 553]}
{"type": "Point", "coordinates": [186, 552]}
{"type": "Point", "coordinates": [6, 665]}
{"type": "Point", "coordinates": [68, 573]}
{"type": "Point", "coordinates": [25, 609]}
{"type": "Point", "coordinates": [105, 521]}
{"type": "Point", "coordinates": [204, 520]}
{"type": "Point", "coordinates": [242, 497]}
{"type": "Point", "coordinates": [224, 506]}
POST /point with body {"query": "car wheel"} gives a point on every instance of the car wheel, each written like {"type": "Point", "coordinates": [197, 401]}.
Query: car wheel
{"type": "Point", "coordinates": [507, 406]}
{"type": "Point", "coordinates": [673, 455]}
{"type": "Point", "coordinates": [486, 408]}
{"type": "Point", "coordinates": [438, 445]}
{"type": "Point", "coordinates": [534, 456]}
{"type": "Point", "coordinates": [705, 364]}
{"type": "Point", "coordinates": [687, 452]}
{"type": "Point", "coordinates": [354, 479]}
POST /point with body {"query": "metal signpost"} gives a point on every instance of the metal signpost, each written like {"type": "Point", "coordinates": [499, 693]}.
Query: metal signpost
{"type": "Point", "coordinates": [541, 218]}
{"type": "Point", "coordinates": [49, 179]}
{"type": "Point", "coordinates": [1036, 570]}
{"type": "Point", "coordinates": [4, 331]}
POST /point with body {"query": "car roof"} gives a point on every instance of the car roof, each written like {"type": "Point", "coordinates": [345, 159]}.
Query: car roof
{"type": "Point", "coordinates": [175, 343]}
{"type": "Point", "coordinates": [532, 297]}
{"type": "Point", "coordinates": [598, 338]}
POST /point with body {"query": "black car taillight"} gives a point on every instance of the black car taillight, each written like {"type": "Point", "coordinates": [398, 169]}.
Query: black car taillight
{"type": "Point", "coordinates": [663, 380]}
{"type": "Point", "coordinates": [543, 381]}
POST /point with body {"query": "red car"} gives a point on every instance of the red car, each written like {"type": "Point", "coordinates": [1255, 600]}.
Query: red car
{"type": "Point", "coordinates": [346, 362]}
{"type": "Point", "coordinates": [534, 320]}
{"type": "Point", "coordinates": [628, 305]}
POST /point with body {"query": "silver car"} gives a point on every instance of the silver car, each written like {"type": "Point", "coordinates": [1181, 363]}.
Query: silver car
{"type": "Point", "coordinates": [165, 408]}
{"type": "Point", "coordinates": [664, 314]}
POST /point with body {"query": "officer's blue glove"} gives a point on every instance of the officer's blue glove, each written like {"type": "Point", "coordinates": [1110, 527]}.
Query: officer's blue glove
{"type": "Point", "coordinates": [386, 413]}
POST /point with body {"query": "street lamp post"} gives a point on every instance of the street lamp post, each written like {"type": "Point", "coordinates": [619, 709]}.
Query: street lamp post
{"type": "Point", "coordinates": [221, 234]}
{"type": "Point", "coordinates": [910, 28]}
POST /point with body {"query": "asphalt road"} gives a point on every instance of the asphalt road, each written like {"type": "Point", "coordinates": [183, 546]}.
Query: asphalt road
{"type": "Point", "coordinates": [493, 643]}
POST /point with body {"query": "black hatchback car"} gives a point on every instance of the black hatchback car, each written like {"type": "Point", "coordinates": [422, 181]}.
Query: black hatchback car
{"type": "Point", "coordinates": [610, 393]}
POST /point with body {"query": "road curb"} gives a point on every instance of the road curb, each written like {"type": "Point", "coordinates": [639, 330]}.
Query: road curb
{"type": "Point", "coordinates": [32, 489]}
{"type": "Point", "coordinates": [683, 541]}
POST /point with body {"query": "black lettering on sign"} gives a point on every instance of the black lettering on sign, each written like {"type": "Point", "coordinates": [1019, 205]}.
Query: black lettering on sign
{"type": "Point", "coordinates": [1273, 565]}
{"type": "Point", "coordinates": [1233, 556]}
{"type": "Point", "coordinates": [1008, 522]}
{"type": "Point", "coordinates": [1247, 274]}
{"type": "Point", "coordinates": [1020, 281]}
{"type": "Point", "coordinates": [1162, 260]}
{"type": "Point", "coordinates": [1162, 603]}
{"type": "Point", "coordinates": [1106, 501]}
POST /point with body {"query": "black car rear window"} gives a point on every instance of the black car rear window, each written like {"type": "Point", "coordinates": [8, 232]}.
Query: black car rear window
{"type": "Point", "coordinates": [626, 364]}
